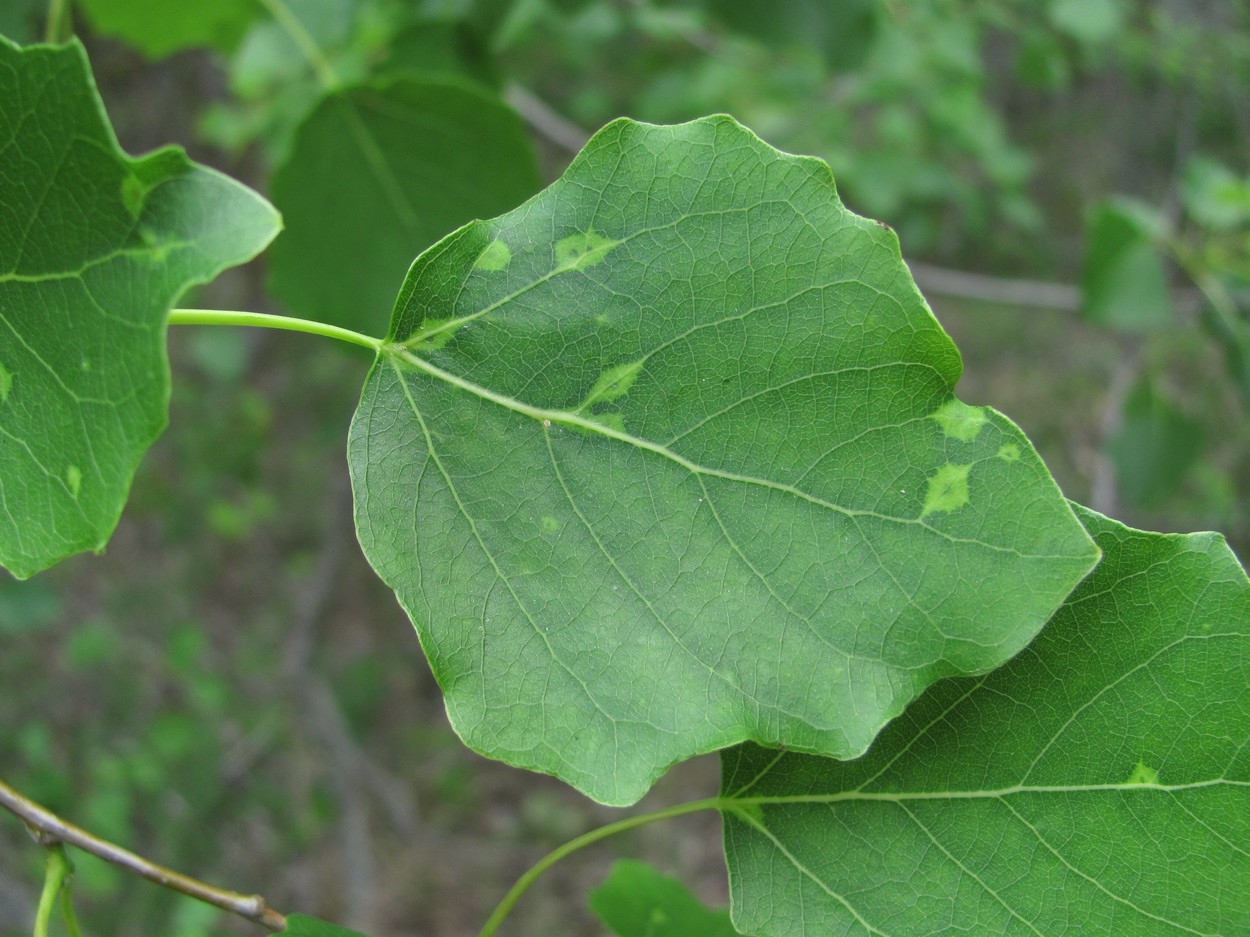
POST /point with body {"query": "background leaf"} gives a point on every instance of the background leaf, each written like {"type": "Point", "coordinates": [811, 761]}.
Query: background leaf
{"type": "Point", "coordinates": [159, 27]}
{"type": "Point", "coordinates": [301, 925]}
{"type": "Point", "coordinates": [667, 459]}
{"type": "Point", "coordinates": [637, 900]}
{"type": "Point", "coordinates": [1123, 284]}
{"type": "Point", "coordinates": [94, 249]}
{"type": "Point", "coordinates": [376, 174]}
{"type": "Point", "coordinates": [1097, 784]}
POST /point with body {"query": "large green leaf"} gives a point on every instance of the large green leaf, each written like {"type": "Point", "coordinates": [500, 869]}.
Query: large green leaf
{"type": "Point", "coordinates": [667, 459]}
{"type": "Point", "coordinates": [378, 173]}
{"type": "Point", "coordinates": [639, 901]}
{"type": "Point", "coordinates": [94, 249]}
{"type": "Point", "coordinates": [1099, 784]}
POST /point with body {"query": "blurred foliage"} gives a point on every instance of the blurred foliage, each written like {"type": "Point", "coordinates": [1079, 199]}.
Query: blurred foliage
{"type": "Point", "coordinates": [161, 690]}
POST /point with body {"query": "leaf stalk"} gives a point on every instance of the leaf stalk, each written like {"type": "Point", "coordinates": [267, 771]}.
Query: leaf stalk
{"type": "Point", "coordinates": [268, 321]}
{"type": "Point", "coordinates": [532, 874]}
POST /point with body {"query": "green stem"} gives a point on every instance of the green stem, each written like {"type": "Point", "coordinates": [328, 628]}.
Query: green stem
{"type": "Point", "coordinates": [307, 44]}
{"type": "Point", "coordinates": [586, 839]}
{"type": "Point", "coordinates": [267, 321]}
{"type": "Point", "coordinates": [68, 914]}
{"type": "Point", "coordinates": [57, 26]}
{"type": "Point", "coordinates": [55, 880]}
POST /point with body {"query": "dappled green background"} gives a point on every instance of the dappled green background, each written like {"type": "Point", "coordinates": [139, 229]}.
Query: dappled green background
{"type": "Point", "coordinates": [230, 665]}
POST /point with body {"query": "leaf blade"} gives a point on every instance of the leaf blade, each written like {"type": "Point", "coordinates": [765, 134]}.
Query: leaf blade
{"type": "Point", "coordinates": [643, 501]}
{"type": "Point", "coordinates": [96, 246]}
{"type": "Point", "coordinates": [1092, 785]}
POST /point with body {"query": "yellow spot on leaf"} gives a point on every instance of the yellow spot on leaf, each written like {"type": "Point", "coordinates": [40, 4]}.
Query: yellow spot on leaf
{"type": "Point", "coordinates": [1143, 775]}
{"type": "Point", "coordinates": [550, 524]}
{"type": "Point", "coordinates": [1009, 452]}
{"type": "Point", "coordinates": [434, 333]}
{"type": "Point", "coordinates": [947, 490]}
{"type": "Point", "coordinates": [582, 250]}
{"type": "Point", "coordinates": [960, 421]}
{"type": "Point", "coordinates": [134, 193]}
{"type": "Point", "coordinates": [73, 478]}
{"type": "Point", "coordinates": [613, 384]}
{"type": "Point", "coordinates": [6, 383]}
{"type": "Point", "coordinates": [749, 813]}
{"type": "Point", "coordinates": [495, 256]}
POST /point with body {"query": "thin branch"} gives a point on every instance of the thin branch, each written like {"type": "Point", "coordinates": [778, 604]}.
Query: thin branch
{"type": "Point", "coordinates": [1038, 294]}
{"type": "Point", "coordinates": [1004, 291]}
{"type": "Point", "coordinates": [536, 112]}
{"type": "Point", "coordinates": [48, 829]}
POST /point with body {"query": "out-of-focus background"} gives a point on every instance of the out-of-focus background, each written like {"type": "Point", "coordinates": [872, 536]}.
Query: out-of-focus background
{"type": "Point", "coordinates": [230, 691]}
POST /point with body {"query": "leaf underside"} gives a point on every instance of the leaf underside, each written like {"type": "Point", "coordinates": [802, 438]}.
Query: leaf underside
{"type": "Point", "coordinates": [668, 459]}
{"type": "Point", "coordinates": [94, 249]}
{"type": "Point", "coordinates": [1098, 784]}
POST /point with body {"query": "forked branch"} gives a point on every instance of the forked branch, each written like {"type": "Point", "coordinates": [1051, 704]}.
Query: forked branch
{"type": "Point", "coordinates": [48, 829]}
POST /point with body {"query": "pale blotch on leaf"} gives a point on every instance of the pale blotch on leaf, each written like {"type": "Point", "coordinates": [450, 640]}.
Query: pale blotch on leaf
{"type": "Point", "coordinates": [495, 256]}
{"type": "Point", "coordinates": [73, 478]}
{"type": "Point", "coordinates": [960, 420]}
{"type": "Point", "coordinates": [6, 383]}
{"type": "Point", "coordinates": [134, 193]}
{"type": "Point", "coordinates": [1009, 452]}
{"type": "Point", "coordinates": [1143, 775]}
{"type": "Point", "coordinates": [550, 524]}
{"type": "Point", "coordinates": [582, 250]}
{"type": "Point", "coordinates": [613, 384]}
{"type": "Point", "coordinates": [433, 334]}
{"type": "Point", "coordinates": [947, 490]}
{"type": "Point", "coordinates": [751, 813]}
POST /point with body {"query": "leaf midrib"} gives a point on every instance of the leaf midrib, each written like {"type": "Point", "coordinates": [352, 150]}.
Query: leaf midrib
{"type": "Point", "coordinates": [399, 355]}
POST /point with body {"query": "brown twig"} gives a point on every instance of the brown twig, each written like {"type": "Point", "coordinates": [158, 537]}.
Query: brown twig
{"type": "Point", "coordinates": [47, 829]}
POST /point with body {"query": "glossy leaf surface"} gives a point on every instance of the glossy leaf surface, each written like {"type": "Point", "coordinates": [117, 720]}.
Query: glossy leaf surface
{"type": "Point", "coordinates": [94, 249]}
{"type": "Point", "coordinates": [1098, 784]}
{"type": "Point", "coordinates": [637, 900]}
{"type": "Point", "coordinates": [667, 459]}
{"type": "Point", "coordinates": [377, 174]}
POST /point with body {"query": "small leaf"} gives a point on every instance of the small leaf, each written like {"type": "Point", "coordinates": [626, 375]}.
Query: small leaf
{"type": "Point", "coordinates": [378, 173]}
{"type": "Point", "coordinates": [638, 901]}
{"type": "Point", "coordinates": [1123, 283]}
{"type": "Point", "coordinates": [1098, 784]}
{"type": "Point", "coordinates": [94, 249]}
{"type": "Point", "coordinates": [301, 925]}
{"type": "Point", "coordinates": [1154, 448]}
{"type": "Point", "coordinates": [159, 27]}
{"type": "Point", "coordinates": [770, 532]}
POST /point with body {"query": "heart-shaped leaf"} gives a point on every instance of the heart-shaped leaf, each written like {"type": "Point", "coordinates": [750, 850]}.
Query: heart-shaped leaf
{"type": "Point", "coordinates": [668, 458]}
{"type": "Point", "coordinates": [1099, 784]}
{"type": "Point", "coordinates": [94, 249]}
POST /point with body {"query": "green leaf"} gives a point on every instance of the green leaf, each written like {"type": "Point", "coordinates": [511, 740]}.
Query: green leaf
{"type": "Point", "coordinates": [1123, 284]}
{"type": "Point", "coordinates": [745, 543]}
{"type": "Point", "coordinates": [94, 249]}
{"type": "Point", "coordinates": [301, 925]}
{"type": "Point", "coordinates": [159, 27]}
{"type": "Point", "coordinates": [376, 174]}
{"type": "Point", "coordinates": [1099, 784]}
{"type": "Point", "coordinates": [1154, 448]}
{"type": "Point", "coordinates": [638, 901]}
